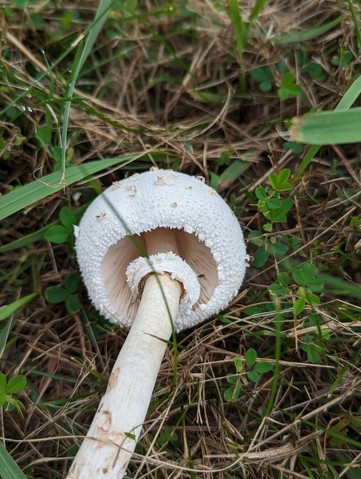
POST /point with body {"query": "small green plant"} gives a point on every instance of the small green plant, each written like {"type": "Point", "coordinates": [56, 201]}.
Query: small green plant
{"type": "Point", "coordinates": [306, 280]}
{"type": "Point", "coordinates": [253, 369]}
{"type": "Point", "coordinates": [10, 140]}
{"type": "Point", "coordinates": [279, 181]}
{"type": "Point", "coordinates": [44, 136]}
{"type": "Point", "coordinates": [169, 435]}
{"type": "Point", "coordinates": [296, 148]}
{"type": "Point", "coordinates": [8, 388]}
{"type": "Point", "coordinates": [262, 75]}
{"type": "Point", "coordinates": [314, 71]}
{"type": "Point", "coordinates": [65, 293]}
{"type": "Point", "coordinates": [274, 207]}
{"type": "Point", "coordinates": [342, 59]}
{"type": "Point", "coordinates": [62, 232]}
{"type": "Point", "coordinates": [234, 389]}
{"type": "Point", "coordinates": [288, 87]}
{"type": "Point", "coordinates": [270, 203]}
{"type": "Point", "coordinates": [314, 342]}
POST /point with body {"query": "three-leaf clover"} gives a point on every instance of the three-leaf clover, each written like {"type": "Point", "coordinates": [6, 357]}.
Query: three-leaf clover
{"type": "Point", "coordinates": [262, 75]}
{"type": "Point", "coordinates": [65, 293]}
{"type": "Point", "coordinates": [288, 87]}
{"type": "Point", "coordinates": [307, 277]}
{"type": "Point", "coordinates": [234, 390]}
{"type": "Point", "coordinates": [272, 206]}
{"type": "Point", "coordinates": [279, 181]}
{"type": "Point", "coordinates": [62, 232]}
{"type": "Point", "coordinates": [255, 369]}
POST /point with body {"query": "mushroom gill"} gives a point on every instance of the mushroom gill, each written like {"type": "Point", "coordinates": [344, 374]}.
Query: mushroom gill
{"type": "Point", "coordinates": [197, 255]}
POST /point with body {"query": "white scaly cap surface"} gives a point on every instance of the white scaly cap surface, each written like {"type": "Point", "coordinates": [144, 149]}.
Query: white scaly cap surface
{"type": "Point", "coordinates": [208, 234]}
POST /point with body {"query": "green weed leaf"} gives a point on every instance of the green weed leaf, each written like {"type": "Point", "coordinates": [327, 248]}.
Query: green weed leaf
{"type": "Point", "coordinates": [72, 281]}
{"type": "Point", "coordinates": [14, 403]}
{"type": "Point", "coordinates": [312, 353]}
{"type": "Point", "coordinates": [256, 237]}
{"type": "Point", "coordinates": [278, 249]}
{"type": "Point", "coordinates": [8, 309]}
{"type": "Point", "coordinates": [306, 275]}
{"type": "Point", "coordinates": [253, 375]}
{"type": "Point", "coordinates": [16, 384]}
{"type": "Point", "coordinates": [278, 215]}
{"type": "Point", "coordinates": [68, 218]}
{"type": "Point", "coordinates": [298, 306]}
{"type": "Point", "coordinates": [3, 382]}
{"type": "Point", "coordinates": [283, 278]}
{"type": "Point", "coordinates": [279, 181]}
{"type": "Point", "coordinates": [232, 393]}
{"type": "Point", "coordinates": [73, 304]}
{"type": "Point", "coordinates": [263, 367]}
{"type": "Point", "coordinates": [250, 357]}
{"type": "Point", "coordinates": [238, 364]}
{"type": "Point", "coordinates": [57, 234]}
{"type": "Point", "coordinates": [273, 203]}
{"type": "Point", "coordinates": [43, 135]}
{"type": "Point", "coordinates": [262, 75]}
{"type": "Point", "coordinates": [260, 258]}
{"type": "Point", "coordinates": [278, 290]}
{"type": "Point", "coordinates": [288, 87]}
{"type": "Point", "coordinates": [261, 193]}
{"type": "Point", "coordinates": [312, 298]}
{"type": "Point", "coordinates": [55, 294]}
{"type": "Point", "coordinates": [296, 148]}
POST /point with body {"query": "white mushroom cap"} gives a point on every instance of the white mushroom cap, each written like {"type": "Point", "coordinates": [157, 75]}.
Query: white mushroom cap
{"type": "Point", "coordinates": [110, 245]}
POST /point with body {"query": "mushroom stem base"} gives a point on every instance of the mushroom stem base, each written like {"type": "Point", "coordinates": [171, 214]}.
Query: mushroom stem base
{"type": "Point", "coordinates": [113, 434]}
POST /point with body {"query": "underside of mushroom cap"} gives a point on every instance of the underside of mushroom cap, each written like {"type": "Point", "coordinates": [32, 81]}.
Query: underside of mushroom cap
{"type": "Point", "coordinates": [112, 234]}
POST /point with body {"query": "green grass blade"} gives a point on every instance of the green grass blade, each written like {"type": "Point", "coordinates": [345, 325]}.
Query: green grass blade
{"type": "Point", "coordinates": [9, 309]}
{"type": "Point", "coordinates": [4, 336]}
{"type": "Point", "coordinates": [257, 9]}
{"type": "Point", "coordinates": [350, 96]}
{"type": "Point", "coordinates": [100, 17]}
{"type": "Point", "coordinates": [26, 240]}
{"type": "Point", "coordinates": [277, 354]}
{"type": "Point", "coordinates": [328, 127]}
{"type": "Point", "coordinates": [307, 34]}
{"type": "Point", "coordinates": [356, 23]}
{"type": "Point", "coordinates": [309, 156]}
{"type": "Point", "coordinates": [340, 287]}
{"type": "Point", "coordinates": [37, 235]}
{"type": "Point", "coordinates": [341, 437]}
{"type": "Point", "coordinates": [238, 26]}
{"type": "Point", "coordinates": [240, 32]}
{"type": "Point", "coordinates": [8, 467]}
{"type": "Point", "coordinates": [80, 58]}
{"type": "Point", "coordinates": [29, 194]}
{"type": "Point", "coordinates": [233, 172]}
{"type": "Point", "coordinates": [335, 285]}
{"type": "Point", "coordinates": [345, 103]}
{"type": "Point", "coordinates": [111, 121]}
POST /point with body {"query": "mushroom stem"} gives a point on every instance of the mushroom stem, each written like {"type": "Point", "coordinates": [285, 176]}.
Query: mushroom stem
{"type": "Point", "coordinates": [113, 434]}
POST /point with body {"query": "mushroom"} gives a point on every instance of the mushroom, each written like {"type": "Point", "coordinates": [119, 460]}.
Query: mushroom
{"type": "Point", "coordinates": [159, 252]}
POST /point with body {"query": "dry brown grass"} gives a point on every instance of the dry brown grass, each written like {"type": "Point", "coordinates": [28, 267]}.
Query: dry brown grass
{"type": "Point", "coordinates": [149, 74]}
